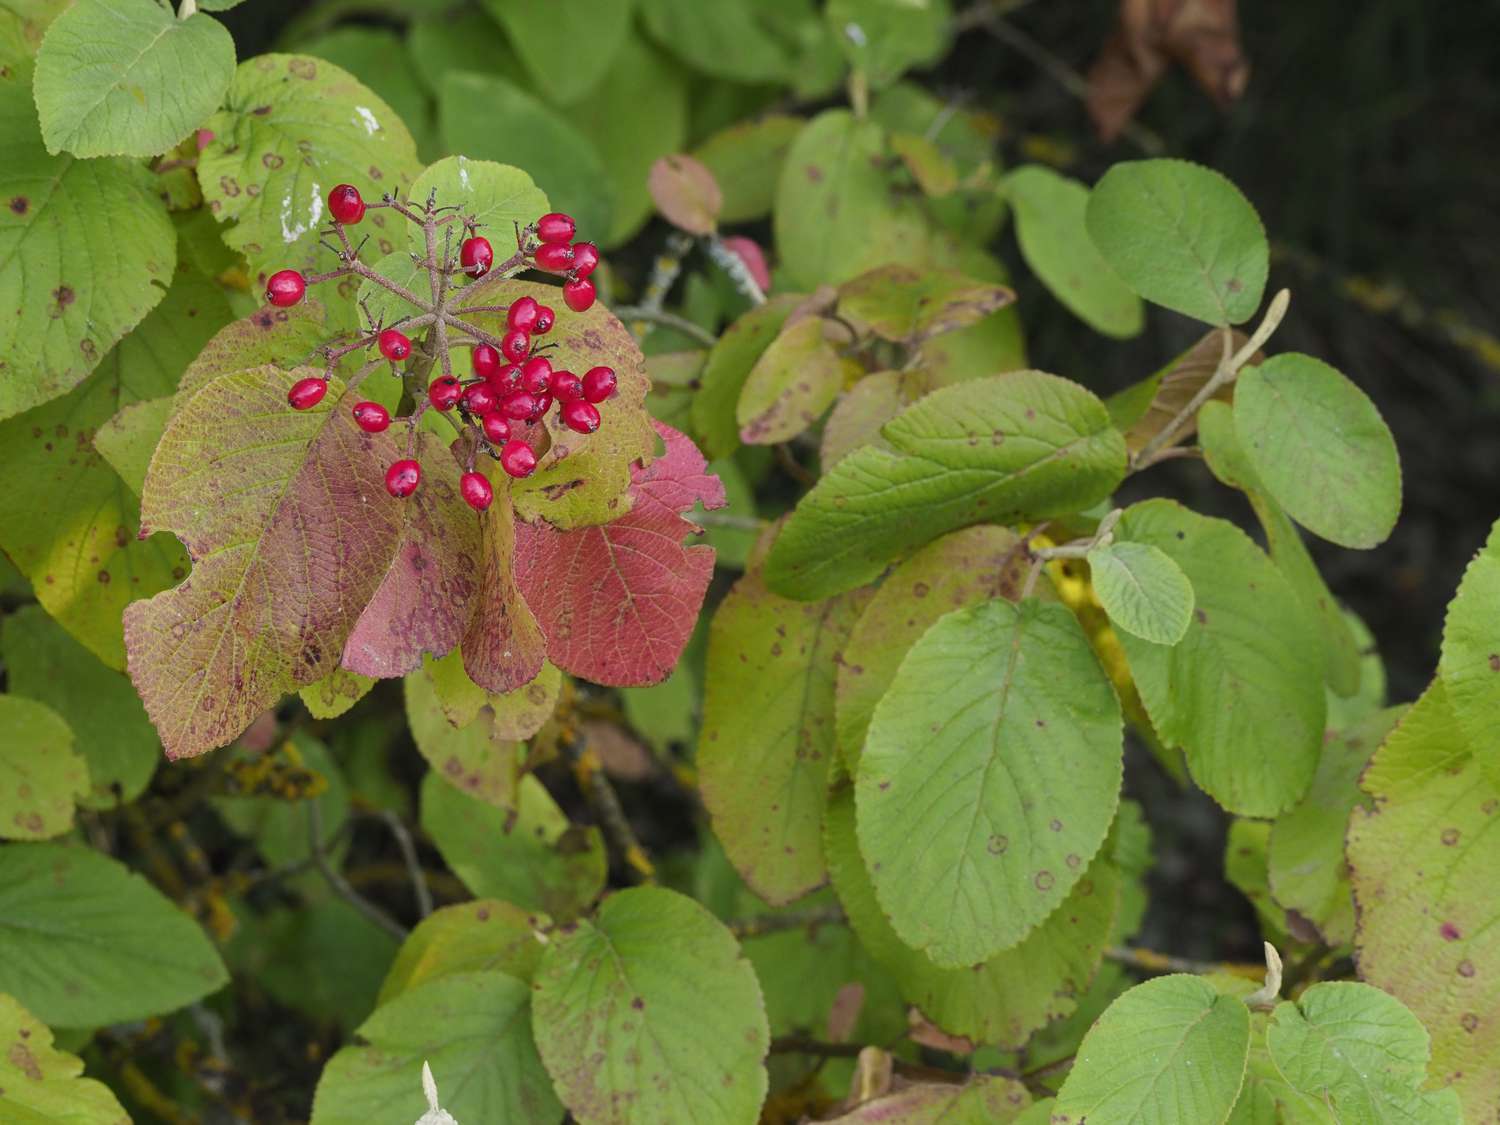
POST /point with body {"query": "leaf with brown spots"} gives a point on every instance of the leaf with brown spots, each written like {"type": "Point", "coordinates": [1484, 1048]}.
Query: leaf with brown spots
{"type": "Point", "coordinates": [41, 775]}
{"type": "Point", "coordinates": [795, 380]}
{"type": "Point", "coordinates": [39, 1083]}
{"type": "Point", "coordinates": [686, 193]}
{"type": "Point", "coordinates": [470, 756]}
{"type": "Point", "coordinates": [981, 1098]}
{"type": "Point", "coordinates": [910, 306]}
{"type": "Point", "coordinates": [466, 938]}
{"type": "Point", "coordinates": [618, 602]}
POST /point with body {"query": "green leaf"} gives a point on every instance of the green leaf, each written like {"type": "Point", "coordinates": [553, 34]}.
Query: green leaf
{"type": "Point", "coordinates": [549, 35]}
{"type": "Point", "coordinates": [1267, 1098]}
{"type": "Point", "coordinates": [40, 772]}
{"type": "Point", "coordinates": [39, 1083]}
{"type": "Point", "coordinates": [463, 39]}
{"type": "Point", "coordinates": [1247, 868]}
{"type": "Point", "coordinates": [650, 1013]}
{"type": "Point", "coordinates": [1006, 998]}
{"type": "Point", "coordinates": [128, 440]}
{"type": "Point", "coordinates": [728, 367]}
{"type": "Point", "coordinates": [1055, 242]}
{"type": "Point", "coordinates": [1308, 872]}
{"type": "Point", "coordinates": [335, 693]}
{"type": "Point", "coordinates": [981, 1100]}
{"type": "Point", "coordinates": [836, 213]}
{"type": "Point", "coordinates": [499, 196]}
{"type": "Point", "coordinates": [1423, 861]}
{"type": "Point", "coordinates": [1470, 665]}
{"type": "Point", "coordinates": [767, 732]}
{"type": "Point", "coordinates": [109, 725]}
{"type": "Point", "coordinates": [998, 746]}
{"type": "Point", "coordinates": [473, 1029]}
{"type": "Point", "coordinates": [376, 56]}
{"type": "Point", "coordinates": [86, 250]}
{"type": "Point", "coordinates": [911, 306]}
{"type": "Point", "coordinates": [863, 410]}
{"type": "Point", "coordinates": [487, 117]}
{"type": "Point", "coordinates": [293, 127]}
{"type": "Point", "coordinates": [530, 856]}
{"type": "Point", "coordinates": [87, 942]}
{"type": "Point", "coordinates": [885, 38]}
{"type": "Point", "coordinates": [1023, 444]}
{"type": "Point", "coordinates": [746, 160]}
{"type": "Point", "coordinates": [468, 937]}
{"type": "Point", "coordinates": [1182, 236]}
{"type": "Point", "coordinates": [1242, 693]}
{"type": "Point", "coordinates": [1144, 592]}
{"type": "Point", "coordinates": [958, 570]}
{"type": "Point", "coordinates": [469, 756]}
{"type": "Point", "coordinates": [793, 382]}
{"type": "Point", "coordinates": [1320, 447]}
{"type": "Point", "coordinates": [724, 39]}
{"type": "Point", "coordinates": [125, 78]}
{"type": "Point", "coordinates": [1168, 1051]}
{"type": "Point", "coordinates": [1359, 1052]}
{"type": "Point", "coordinates": [995, 344]}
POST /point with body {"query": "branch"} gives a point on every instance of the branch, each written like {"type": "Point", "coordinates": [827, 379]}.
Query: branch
{"type": "Point", "coordinates": [588, 770]}
{"type": "Point", "coordinates": [763, 924]}
{"type": "Point", "coordinates": [338, 883]}
{"type": "Point", "coordinates": [1150, 961]}
{"type": "Point", "coordinates": [648, 315]}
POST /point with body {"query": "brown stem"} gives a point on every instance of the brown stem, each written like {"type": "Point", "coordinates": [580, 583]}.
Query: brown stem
{"type": "Point", "coordinates": [588, 770]}
{"type": "Point", "coordinates": [763, 924]}
{"type": "Point", "coordinates": [338, 883]}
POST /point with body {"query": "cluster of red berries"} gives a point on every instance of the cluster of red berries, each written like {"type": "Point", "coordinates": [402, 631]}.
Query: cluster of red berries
{"type": "Point", "coordinates": [513, 384]}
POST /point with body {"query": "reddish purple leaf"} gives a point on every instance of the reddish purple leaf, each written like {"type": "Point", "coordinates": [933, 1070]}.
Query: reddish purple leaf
{"type": "Point", "coordinates": [617, 602]}
{"type": "Point", "coordinates": [503, 648]}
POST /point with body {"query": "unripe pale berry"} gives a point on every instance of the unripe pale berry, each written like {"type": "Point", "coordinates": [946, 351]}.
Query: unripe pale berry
{"type": "Point", "coordinates": [346, 205]}
{"type": "Point", "coordinates": [486, 361]}
{"type": "Point", "coordinates": [476, 491]}
{"type": "Point", "coordinates": [585, 258]}
{"type": "Point", "coordinates": [371, 417]}
{"type": "Point", "coordinates": [556, 227]}
{"type": "Point", "coordinates": [394, 344]}
{"type": "Point", "coordinates": [402, 478]}
{"type": "Point", "coordinates": [517, 458]}
{"type": "Point", "coordinates": [536, 374]}
{"type": "Point", "coordinates": [554, 257]}
{"type": "Point", "coordinates": [599, 383]}
{"type": "Point", "coordinates": [580, 417]}
{"type": "Point", "coordinates": [480, 398]}
{"type": "Point", "coordinates": [579, 294]}
{"type": "Point", "coordinates": [566, 386]}
{"type": "Point", "coordinates": [476, 255]}
{"type": "Point", "coordinates": [515, 346]}
{"type": "Point", "coordinates": [519, 406]}
{"type": "Point", "coordinates": [495, 427]}
{"type": "Point", "coordinates": [444, 391]}
{"type": "Point", "coordinates": [522, 314]}
{"type": "Point", "coordinates": [545, 319]}
{"type": "Point", "coordinates": [285, 288]}
{"type": "Point", "coordinates": [307, 393]}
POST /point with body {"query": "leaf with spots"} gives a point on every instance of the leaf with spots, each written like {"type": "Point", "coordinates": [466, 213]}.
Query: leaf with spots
{"type": "Point", "coordinates": [261, 496]}
{"type": "Point", "coordinates": [468, 937]}
{"type": "Point", "coordinates": [293, 127]}
{"type": "Point", "coordinates": [88, 942]}
{"type": "Point", "coordinates": [982, 1100]}
{"type": "Point", "coordinates": [86, 251]}
{"type": "Point", "coordinates": [1242, 692]}
{"type": "Point", "coordinates": [910, 306]}
{"type": "Point", "coordinates": [1425, 868]}
{"type": "Point", "coordinates": [121, 78]}
{"type": "Point", "coordinates": [503, 647]}
{"type": "Point", "coordinates": [998, 747]}
{"type": "Point", "coordinates": [40, 773]}
{"type": "Point", "coordinates": [793, 382]}
{"type": "Point", "coordinates": [473, 1029]}
{"type": "Point", "coordinates": [767, 735]}
{"type": "Point", "coordinates": [729, 364]}
{"type": "Point", "coordinates": [285, 338]}
{"type": "Point", "coordinates": [618, 602]}
{"type": "Point", "coordinates": [335, 693]}
{"type": "Point", "coordinates": [39, 1083]}
{"type": "Point", "coordinates": [469, 756]}
{"type": "Point", "coordinates": [128, 439]}
{"type": "Point", "coordinates": [651, 1013]}
{"type": "Point", "coordinates": [1470, 665]}
{"type": "Point", "coordinates": [1168, 1051]}
{"type": "Point", "coordinates": [861, 411]}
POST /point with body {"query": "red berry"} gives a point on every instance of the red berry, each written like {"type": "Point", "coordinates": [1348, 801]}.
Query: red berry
{"type": "Point", "coordinates": [476, 256]}
{"type": "Point", "coordinates": [507, 381]}
{"type": "Point", "coordinates": [444, 391]}
{"type": "Point", "coordinates": [286, 288]}
{"type": "Point", "coordinates": [556, 227]}
{"type": "Point", "coordinates": [495, 427]}
{"type": "Point", "coordinates": [536, 374]}
{"type": "Point", "coordinates": [515, 346]}
{"type": "Point", "coordinates": [402, 478]}
{"type": "Point", "coordinates": [518, 406]}
{"type": "Point", "coordinates": [554, 257]}
{"type": "Point", "coordinates": [585, 258]}
{"type": "Point", "coordinates": [307, 393]}
{"type": "Point", "coordinates": [394, 344]}
{"type": "Point", "coordinates": [599, 383]}
{"type": "Point", "coordinates": [545, 318]}
{"type": "Point", "coordinates": [486, 361]}
{"type": "Point", "coordinates": [371, 417]}
{"type": "Point", "coordinates": [345, 204]}
{"type": "Point", "coordinates": [543, 404]}
{"type": "Point", "coordinates": [579, 294]}
{"type": "Point", "coordinates": [522, 314]}
{"type": "Point", "coordinates": [580, 417]}
{"type": "Point", "coordinates": [476, 491]}
{"type": "Point", "coordinates": [480, 398]}
{"type": "Point", "coordinates": [566, 386]}
{"type": "Point", "coordinates": [517, 459]}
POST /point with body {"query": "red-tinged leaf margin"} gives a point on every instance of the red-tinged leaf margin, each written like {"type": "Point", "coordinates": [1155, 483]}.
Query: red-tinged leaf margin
{"type": "Point", "coordinates": [617, 602]}
{"type": "Point", "coordinates": [504, 648]}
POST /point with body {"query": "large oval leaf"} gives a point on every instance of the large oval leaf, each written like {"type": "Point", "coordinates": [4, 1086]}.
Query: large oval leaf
{"type": "Point", "coordinates": [1320, 447]}
{"type": "Point", "coordinates": [989, 778]}
{"type": "Point", "coordinates": [650, 1013]}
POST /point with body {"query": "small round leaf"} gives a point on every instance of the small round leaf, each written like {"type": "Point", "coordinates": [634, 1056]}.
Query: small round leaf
{"type": "Point", "coordinates": [1143, 591]}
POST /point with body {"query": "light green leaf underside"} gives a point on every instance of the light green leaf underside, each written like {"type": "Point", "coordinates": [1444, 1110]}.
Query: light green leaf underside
{"type": "Point", "coordinates": [1143, 591]}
